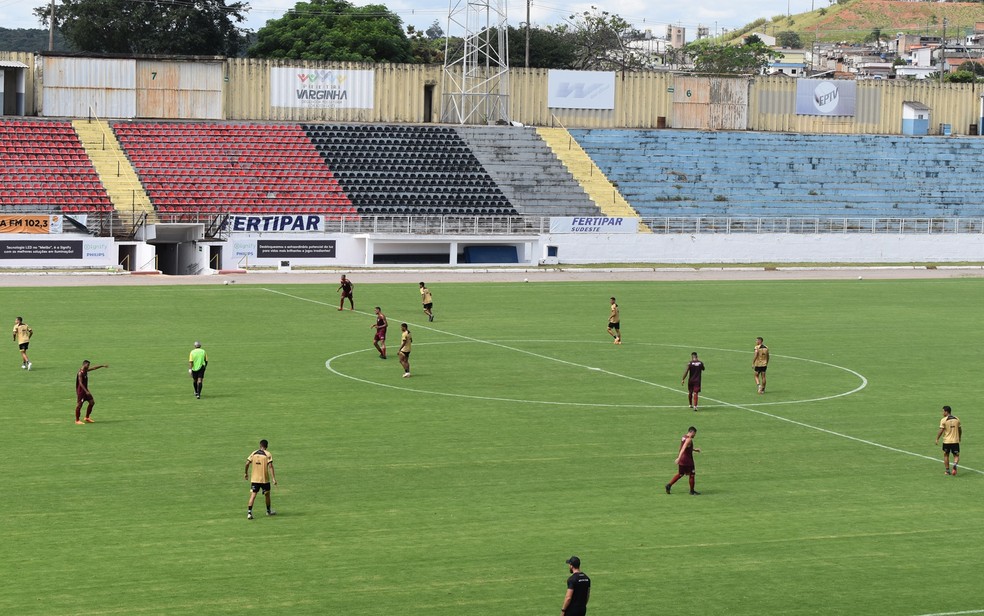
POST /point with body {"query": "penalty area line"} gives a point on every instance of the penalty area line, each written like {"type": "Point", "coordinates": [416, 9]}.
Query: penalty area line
{"type": "Point", "coordinates": [954, 613]}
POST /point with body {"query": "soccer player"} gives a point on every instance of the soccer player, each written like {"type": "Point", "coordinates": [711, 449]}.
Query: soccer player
{"type": "Point", "coordinates": [614, 323]}
{"type": "Point", "coordinates": [428, 299]}
{"type": "Point", "coordinates": [22, 336]}
{"type": "Point", "coordinates": [379, 339]}
{"type": "Point", "coordinates": [82, 391]}
{"type": "Point", "coordinates": [197, 361]}
{"type": "Point", "coordinates": [694, 369]}
{"type": "Point", "coordinates": [406, 340]}
{"type": "Point", "coordinates": [685, 461]}
{"type": "Point", "coordinates": [760, 363]}
{"type": "Point", "coordinates": [951, 431]}
{"type": "Point", "coordinates": [261, 463]}
{"type": "Point", "coordinates": [578, 590]}
{"type": "Point", "coordinates": [346, 288]}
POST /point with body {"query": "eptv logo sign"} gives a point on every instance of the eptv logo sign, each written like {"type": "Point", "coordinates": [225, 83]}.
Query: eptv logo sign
{"type": "Point", "coordinates": [581, 90]}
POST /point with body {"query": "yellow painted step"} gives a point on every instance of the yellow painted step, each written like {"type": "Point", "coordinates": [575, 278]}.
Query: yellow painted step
{"type": "Point", "coordinates": [115, 171]}
{"type": "Point", "coordinates": [597, 186]}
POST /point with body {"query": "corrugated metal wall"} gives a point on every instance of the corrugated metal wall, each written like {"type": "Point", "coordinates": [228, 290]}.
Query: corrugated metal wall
{"type": "Point", "coordinates": [179, 90]}
{"type": "Point", "coordinates": [772, 107]}
{"type": "Point", "coordinates": [73, 86]}
{"type": "Point", "coordinates": [399, 92]}
{"type": "Point", "coordinates": [240, 89]}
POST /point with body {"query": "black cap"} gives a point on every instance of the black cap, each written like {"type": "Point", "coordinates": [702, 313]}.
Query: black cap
{"type": "Point", "coordinates": [574, 561]}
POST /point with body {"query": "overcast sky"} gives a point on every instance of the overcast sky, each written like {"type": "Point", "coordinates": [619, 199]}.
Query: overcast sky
{"type": "Point", "coordinates": [652, 14]}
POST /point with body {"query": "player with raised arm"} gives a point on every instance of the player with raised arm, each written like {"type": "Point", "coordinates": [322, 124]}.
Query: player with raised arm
{"type": "Point", "coordinates": [82, 392]}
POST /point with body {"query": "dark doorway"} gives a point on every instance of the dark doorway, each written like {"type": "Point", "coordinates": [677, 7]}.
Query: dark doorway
{"type": "Point", "coordinates": [429, 103]}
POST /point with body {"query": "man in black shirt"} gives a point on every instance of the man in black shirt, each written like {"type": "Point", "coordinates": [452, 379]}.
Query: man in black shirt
{"type": "Point", "coordinates": [578, 590]}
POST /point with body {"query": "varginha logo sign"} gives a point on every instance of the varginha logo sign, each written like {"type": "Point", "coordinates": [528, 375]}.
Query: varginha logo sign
{"type": "Point", "coordinates": [321, 89]}
{"type": "Point", "coordinates": [580, 90]}
{"type": "Point", "coordinates": [826, 97]}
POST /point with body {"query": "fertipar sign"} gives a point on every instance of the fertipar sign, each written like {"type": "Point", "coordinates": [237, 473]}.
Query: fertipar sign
{"type": "Point", "coordinates": [276, 223]}
{"type": "Point", "coordinates": [819, 97]}
{"type": "Point", "coordinates": [580, 90]}
{"type": "Point", "coordinates": [321, 88]}
{"type": "Point", "coordinates": [593, 224]}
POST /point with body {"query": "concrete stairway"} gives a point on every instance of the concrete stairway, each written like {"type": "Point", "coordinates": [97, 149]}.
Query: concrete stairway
{"type": "Point", "coordinates": [605, 194]}
{"type": "Point", "coordinates": [115, 171]}
{"type": "Point", "coordinates": [527, 172]}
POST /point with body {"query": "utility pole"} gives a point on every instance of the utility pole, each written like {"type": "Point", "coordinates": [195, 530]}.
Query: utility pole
{"type": "Point", "coordinates": [943, 51]}
{"type": "Point", "coordinates": [528, 2]}
{"type": "Point", "coordinates": [51, 28]}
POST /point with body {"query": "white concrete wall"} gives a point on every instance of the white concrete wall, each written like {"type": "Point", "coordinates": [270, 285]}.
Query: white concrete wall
{"type": "Point", "coordinates": [767, 248]}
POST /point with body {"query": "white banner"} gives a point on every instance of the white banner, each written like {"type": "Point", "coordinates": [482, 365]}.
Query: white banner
{"type": "Point", "coordinates": [593, 224]}
{"type": "Point", "coordinates": [322, 88]}
{"type": "Point", "coordinates": [826, 98]}
{"type": "Point", "coordinates": [275, 222]}
{"type": "Point", "coordinates": [580, 90]}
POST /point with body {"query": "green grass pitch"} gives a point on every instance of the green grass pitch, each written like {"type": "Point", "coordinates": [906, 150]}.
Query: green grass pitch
{"type": "Point", "coordinates": [523, 437]}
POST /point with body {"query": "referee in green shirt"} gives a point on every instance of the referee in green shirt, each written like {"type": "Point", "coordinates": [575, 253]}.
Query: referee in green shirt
{"type": "Point", "coordinates": [197, 361]}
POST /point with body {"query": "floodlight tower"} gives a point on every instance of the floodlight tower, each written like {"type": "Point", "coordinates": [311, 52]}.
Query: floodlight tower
{"type": "Point", "coordinates": [475, 85]}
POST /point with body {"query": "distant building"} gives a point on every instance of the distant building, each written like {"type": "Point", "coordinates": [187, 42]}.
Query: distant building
{"type": "Point", "coordinates": [792, 62]}
{"type": "Point", "coordinates": [676, 36]}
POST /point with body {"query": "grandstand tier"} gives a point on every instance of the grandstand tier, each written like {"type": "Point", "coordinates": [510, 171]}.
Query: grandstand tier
{"type": "Point", "coordinates": [45, 169]}
{"type": "Point", "coordinates": [425, 170]}
{"type": "Point", "coordinates": [207, 167]}
{"type": "Point", "coordinates": [674, 173]}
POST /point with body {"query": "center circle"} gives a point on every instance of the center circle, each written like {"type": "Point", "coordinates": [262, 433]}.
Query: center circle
{"type": "Point", "coordinates": [329, 365]}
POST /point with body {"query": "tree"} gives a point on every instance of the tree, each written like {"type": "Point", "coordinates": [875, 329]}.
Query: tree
{"type": "Point", "coordinates": [744, 59]}
{"type": "Point", "coordinates": [335, 30]}
{"type": "Point", "coordinates": [789, 39]}
{"type": "Point", "coordinates": [424, 48]}
{"type": "Point", "coordinates": [603, 41]}
{"type": "Point", "coordinates": [961, 76]}
{"type": "Point", "coordinates": [195, 27]}
{"type": "Point", "coordinates": [548, 48]}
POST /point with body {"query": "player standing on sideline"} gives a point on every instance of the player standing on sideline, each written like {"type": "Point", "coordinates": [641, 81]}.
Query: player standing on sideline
{"type": "Point", "coordinates": [760, 363]}
{"type": "Point", "coordinates": [406, 340]}
{"type": "Point", "coordinates": [82, 391]}
{"type": "Point", "coordinates": [695, 368]}
{"type": "Point", "coordinates": [428, 299]}
{"type": "Point", "coordinates": [578, 590]}
{"type": "Point", "coordinates": [262, 464]}
{"type": "Point", "coordinates": [379, 340]}
{"type": "Point", "coordinates": [22, 336]}
{"type": "Point", "coordinates": [614, 323]}
{"type": "Point", "coordinates": [685, 461]}
{"type": "Point", "coordinates": [197, 361]}
{"type": "Point", "coordinates": [951, 431]}
{"type": "Point", "coordinates": [346, 288]}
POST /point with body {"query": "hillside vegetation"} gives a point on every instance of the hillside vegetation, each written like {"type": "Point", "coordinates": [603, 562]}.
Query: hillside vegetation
{"type": "Point", "coordinates": [855, 20]}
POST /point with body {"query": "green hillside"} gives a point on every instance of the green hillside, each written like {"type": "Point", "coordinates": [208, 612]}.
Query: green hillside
{"type": "Point", "coordinates": [855, 20]}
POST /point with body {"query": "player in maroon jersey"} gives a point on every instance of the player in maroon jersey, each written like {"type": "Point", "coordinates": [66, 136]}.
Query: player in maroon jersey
{"type": "Point", "coordinates": [694, 369]}
{"type": "Point", "coordinates": [379, 340]}
{"type": "Point", "coordinates": [685, 461]}
{"type": "Point", "coordinates": [82, 391]}
{"type": "Point", "coordinates": [345, 286]}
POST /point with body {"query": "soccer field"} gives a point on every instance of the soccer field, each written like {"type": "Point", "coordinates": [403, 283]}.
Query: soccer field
{"type": "Point", "coordinates": [524, 436]}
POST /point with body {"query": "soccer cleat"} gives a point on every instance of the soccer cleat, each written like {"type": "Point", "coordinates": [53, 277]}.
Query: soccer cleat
{"type": "Point", "coordinates": [694, 493]}
{"type": "Point", "coordinates": [946, 471]}
{"type": "Point", "coordinates": [667, 486]}
{"type": "Point", "coordinates": [954, 470]}
{"type": "Point", "coordinates": [198, 396]}
{"type": "Point", "coordinates": [29, 365]}
{"type": "Point", "coordinates": [23, 366]}
{"type": "Point", "coordinates": [339, 309]}
{"type": "Point", "coordinates": [249, 515]}
{"type": "Point", "coordinates": [90, 420]}
{"type": "Point", "coordinates": [406, 375]}
{"type": "Point", "coordinates": [78, 422]}
{"type": "Point", "coordinates": [271, 512]}
{"type": "Point", "coordinates": [695, 409]}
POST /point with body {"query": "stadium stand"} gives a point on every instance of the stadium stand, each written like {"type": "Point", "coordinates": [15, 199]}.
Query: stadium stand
{"type": "Point", "coordinates": [44, 168]}
{"type": "Point", "coordinates": [674, 173]}
{"type": "Point", "coordinates": [401, 170]}
{"type": "Point", "coordinates": [206, 167]}
{"type": "Point", "coordinates": [527, 172]}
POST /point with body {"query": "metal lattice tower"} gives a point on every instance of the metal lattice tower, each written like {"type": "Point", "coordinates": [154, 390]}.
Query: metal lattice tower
{"type": "Point", "coordinates": [476, 75]}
